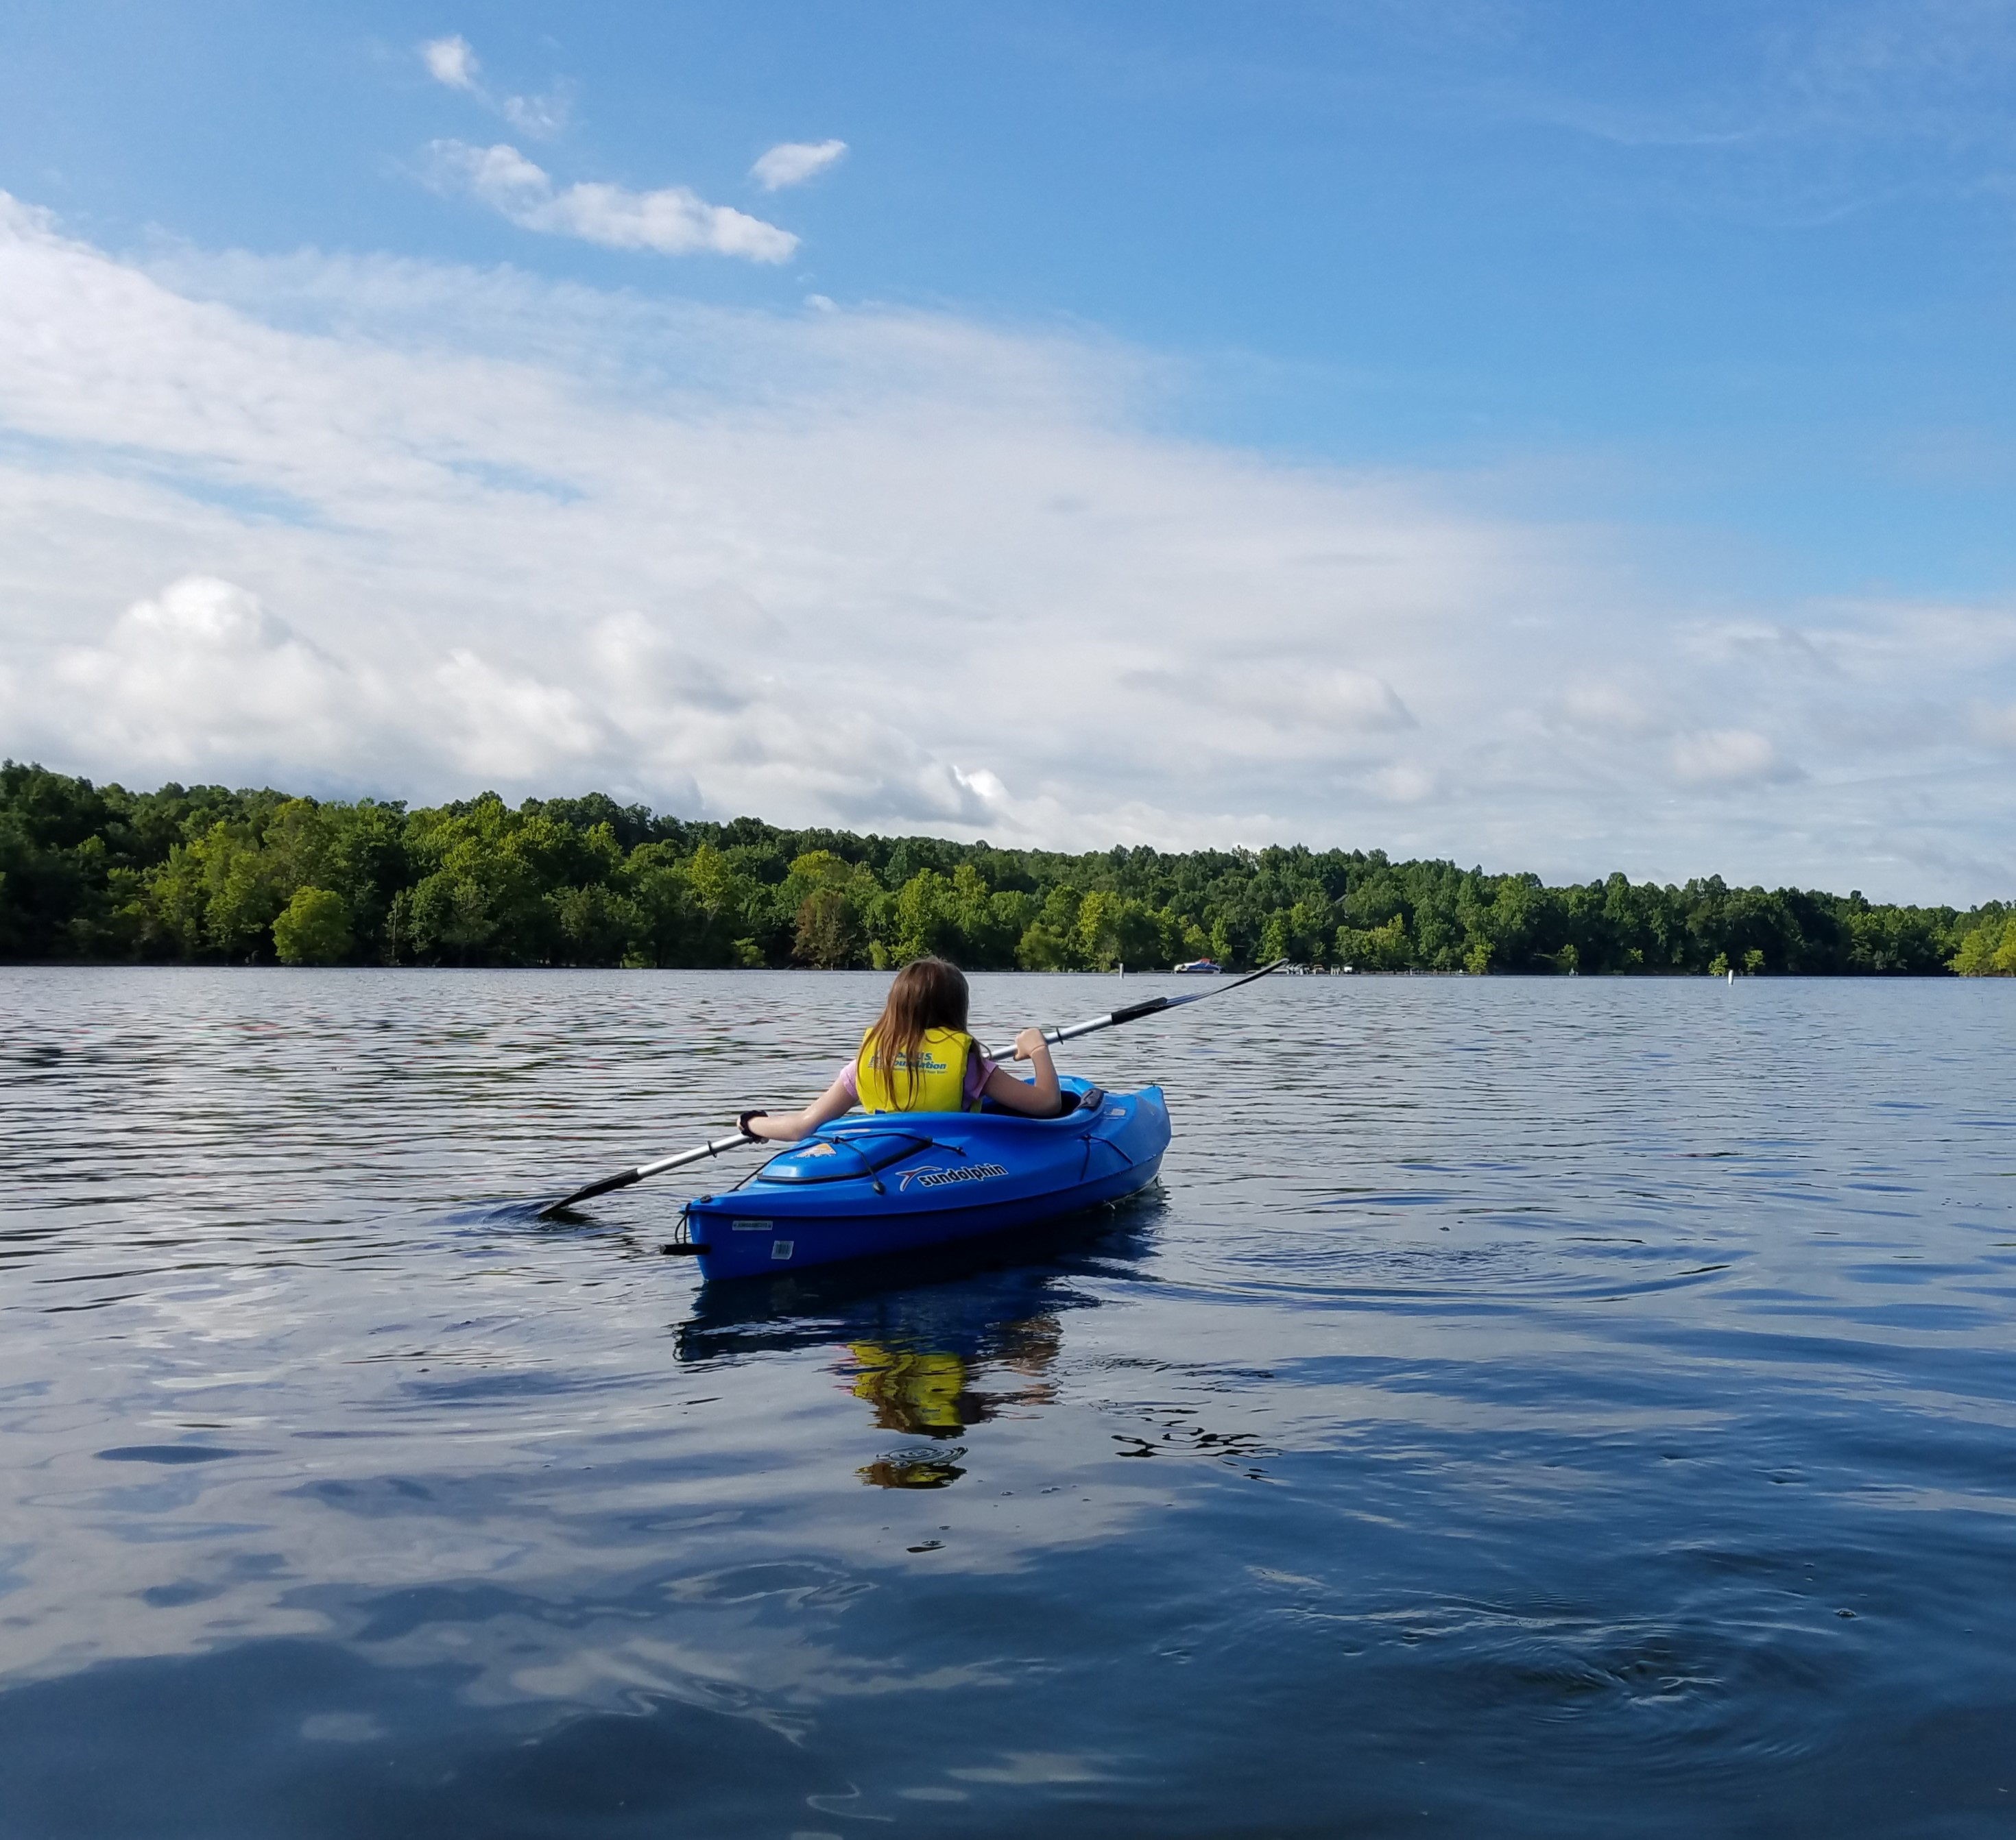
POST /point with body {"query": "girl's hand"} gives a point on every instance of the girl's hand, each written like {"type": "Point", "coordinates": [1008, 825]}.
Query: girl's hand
{"type": "Point", "coordinates": [1033, 1098]}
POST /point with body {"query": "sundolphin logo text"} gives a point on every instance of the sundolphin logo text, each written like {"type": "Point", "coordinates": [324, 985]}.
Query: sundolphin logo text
{"type": "Point", "coordinates": [965, 1172]}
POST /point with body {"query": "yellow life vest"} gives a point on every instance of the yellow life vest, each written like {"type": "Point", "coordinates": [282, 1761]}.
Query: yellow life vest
{"type": "Point", "coordinates": [934, 1081]}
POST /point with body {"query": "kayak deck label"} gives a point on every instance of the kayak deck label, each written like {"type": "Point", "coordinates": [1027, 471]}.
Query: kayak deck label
{"type": "Point", "coordinates": [940, 1177]}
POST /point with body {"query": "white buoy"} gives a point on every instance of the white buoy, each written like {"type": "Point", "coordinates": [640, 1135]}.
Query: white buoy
{"type": "Point", "coordinates": [1731, 974]}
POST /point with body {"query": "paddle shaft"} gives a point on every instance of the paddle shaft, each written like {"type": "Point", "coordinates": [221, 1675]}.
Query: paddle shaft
{"type": "Point", "coordinates": [1133, 1012]}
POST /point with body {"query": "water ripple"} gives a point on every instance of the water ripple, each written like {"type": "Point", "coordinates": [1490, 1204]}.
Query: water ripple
{"type": "Point", "coordinates": [1557, 1407]}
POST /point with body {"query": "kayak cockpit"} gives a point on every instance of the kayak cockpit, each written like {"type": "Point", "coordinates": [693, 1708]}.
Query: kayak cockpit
{"type": "Point", "coordinates": [863, 1145]}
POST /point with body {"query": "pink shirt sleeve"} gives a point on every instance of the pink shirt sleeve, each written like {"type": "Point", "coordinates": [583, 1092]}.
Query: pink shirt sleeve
{"type": "Point", "coordinates": [979, 1070]}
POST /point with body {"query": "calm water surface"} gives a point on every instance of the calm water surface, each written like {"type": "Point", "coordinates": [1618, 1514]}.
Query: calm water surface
{"type": "Point", "coordinates": [1524, 1408]}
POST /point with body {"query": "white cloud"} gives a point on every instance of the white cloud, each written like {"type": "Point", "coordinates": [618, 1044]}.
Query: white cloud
{"type": "Point", "coordinates": [510, 723]}
{"type": "Point", "coordinates": [673, 222]}
{"type": "Point", "coordinates": [1728, 757]}
{"type": "Point", "coordinates": [1350, 699]}
{"type": "Point", "coordinates": [350, 525]}
{"type": "Point", "coordinates": [1403, 785]}
{"type": "Point", "coordinates": [1603, 705]}
{"type": "Point", "coordinates": [204, 660]}
{"type": "Point", "coordinates": [791, 163]}
{"type": "Point", "coordinates": [1278, 709]}
{"type": "Point", "coordinates": [451, 61]}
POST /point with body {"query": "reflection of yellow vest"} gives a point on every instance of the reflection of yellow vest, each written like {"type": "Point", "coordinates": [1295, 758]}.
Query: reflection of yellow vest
{"type": "Point", "coordinates": [936, 1081]}
{"type": "Point", "coordinates": [916, 1391]}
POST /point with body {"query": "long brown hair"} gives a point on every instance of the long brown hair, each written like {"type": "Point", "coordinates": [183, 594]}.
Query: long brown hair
{"type": "Point", "coordinates": [926, 993]}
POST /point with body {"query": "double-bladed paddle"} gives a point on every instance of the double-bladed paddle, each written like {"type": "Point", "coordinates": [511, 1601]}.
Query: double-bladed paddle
{"type": "Point", "coordinates": [735, 1140]}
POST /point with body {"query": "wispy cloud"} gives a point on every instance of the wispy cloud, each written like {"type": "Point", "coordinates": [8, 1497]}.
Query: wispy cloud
{"type": "Point", "coordinates": [1834, 110]}
{"type": "Point", "coordinates": [673, 222]}
{"type": "Point", "coordinates": [791, 163]}
{"type": "Point", "coordinates": [1995, 725]}
{"type": "Point", "coordinates": [538, 536]}
{"type": "Point", "coordinates": [453, 61]}
{"type": "Point", "coordinates": [1602, 705]}
{"type": "Point", "coordinates": [543, 117]}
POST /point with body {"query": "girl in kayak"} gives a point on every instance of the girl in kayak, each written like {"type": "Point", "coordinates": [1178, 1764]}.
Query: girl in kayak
{"type": "Point", "coordinates": [917, 1056]}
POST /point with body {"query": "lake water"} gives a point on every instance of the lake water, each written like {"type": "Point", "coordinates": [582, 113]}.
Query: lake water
{"type": "Point", "coordinates": [1562, 1407]}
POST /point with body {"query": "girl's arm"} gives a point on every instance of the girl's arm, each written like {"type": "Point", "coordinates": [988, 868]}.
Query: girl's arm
{"type": "Point", "coordinates": [787, 1127]}
{"type": "Point", "coordinates": [1039, 1101]}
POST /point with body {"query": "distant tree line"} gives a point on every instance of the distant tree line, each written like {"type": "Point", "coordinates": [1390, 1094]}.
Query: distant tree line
{"type": "Point", "coordinates": [205, 875]}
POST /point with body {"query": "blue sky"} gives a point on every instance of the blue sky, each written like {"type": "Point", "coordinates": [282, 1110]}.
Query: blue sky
{"type": "Point", "coordinates": [1674, 338]}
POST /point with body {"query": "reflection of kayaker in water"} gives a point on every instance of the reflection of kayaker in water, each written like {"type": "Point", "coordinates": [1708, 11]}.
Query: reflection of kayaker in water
{"type": "Point", "coordinates": [917, 1056]}
{"type": "Point", "coordinates": [914, 1391]}
{"type": "Point", "coordinates": [930, 1392]}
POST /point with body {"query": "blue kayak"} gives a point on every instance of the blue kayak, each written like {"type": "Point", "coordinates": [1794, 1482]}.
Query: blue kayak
{"type": "Point", "coordinates": [864, 1186]}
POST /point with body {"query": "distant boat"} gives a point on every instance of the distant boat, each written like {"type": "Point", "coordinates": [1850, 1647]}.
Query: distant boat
{"type": "Point", "coordinates": [1207, 965]}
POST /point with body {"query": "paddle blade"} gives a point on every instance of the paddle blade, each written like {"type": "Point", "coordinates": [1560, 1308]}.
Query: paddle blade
{"type": "Point", "coordinates": [589, 1194]}
{"type": "Point", "coordinates": [699, 1153]}
{"type": "Point", "coordinates": [1220, 990]}
{"type": "Point", "coordinates": [1134, 1011]}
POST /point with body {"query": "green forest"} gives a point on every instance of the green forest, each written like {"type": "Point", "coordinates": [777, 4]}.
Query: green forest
{"type": "Point", "coordinates": [205, 875]}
